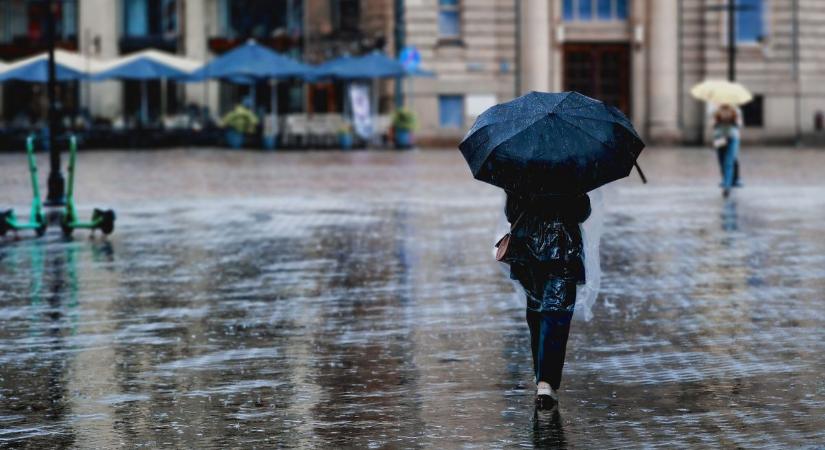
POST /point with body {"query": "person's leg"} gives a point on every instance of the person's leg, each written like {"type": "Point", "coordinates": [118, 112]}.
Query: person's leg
{"type": "Point", "coordinates": [730, 157]}
{"type": "Point", "coordinates": [551, 347]}
{"type": "Point", "coordinates": [534, 323]}
{"type": "Point", "coordinates": [720, 156]}
{"type": "Point", "coordinates": [553, 330]}
{"type": "Point", "coordinates": [736, 181]}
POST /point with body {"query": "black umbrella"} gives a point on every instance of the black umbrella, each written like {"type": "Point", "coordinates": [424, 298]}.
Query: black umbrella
{"type": "Point", "coordinates": [551, 144]}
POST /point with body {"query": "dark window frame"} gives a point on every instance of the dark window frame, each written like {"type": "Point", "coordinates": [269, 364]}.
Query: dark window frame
{"type": "Point", "coordinates": [753, 112]}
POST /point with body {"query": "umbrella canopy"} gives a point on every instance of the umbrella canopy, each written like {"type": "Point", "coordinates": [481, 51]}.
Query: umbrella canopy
{"type": "Point", "coordinates": [252, 61]}
{"type": "Point", "coordinates": [721, 92]}
{"type": "Point", "coordinates": [147, 65]}
{"type": "Point", "coordinates": [35, 69]}
{"type": "Point", "coordinates": [370, 66]}
{"type": "Point", "coordinates": [551, 144]}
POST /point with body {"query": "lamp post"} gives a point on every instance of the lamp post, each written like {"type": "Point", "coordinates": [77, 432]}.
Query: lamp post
{"type": "Point", "coordinates": [56, 185]}
{"type": "Point", "coordinates": [796, 75]}
{"type": "Point", "coordinates": [731, 8]}
{"type": "Point", "coordinates": [731, 40]}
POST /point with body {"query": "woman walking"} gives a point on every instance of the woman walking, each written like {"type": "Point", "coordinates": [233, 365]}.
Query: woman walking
{"type": "Point", "coordinates": [548, 151]}
{"type": "Point", "coordinates": [726, 133]}
{"type": "Point", "coordinates": [546, 257]}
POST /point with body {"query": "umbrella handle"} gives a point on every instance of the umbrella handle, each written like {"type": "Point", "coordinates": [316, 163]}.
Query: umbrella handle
{"type": "Point", "coordinates": [641, 174]}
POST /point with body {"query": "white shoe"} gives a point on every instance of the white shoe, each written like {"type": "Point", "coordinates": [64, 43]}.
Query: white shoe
{"type": "Point", "coordinates": [546, 397]}
{"type": "Point", "coordinates": [545, 389]}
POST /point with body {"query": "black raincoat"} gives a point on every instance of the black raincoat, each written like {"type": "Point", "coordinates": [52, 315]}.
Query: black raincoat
{"type": "Point", "coordinates": [546, 250]}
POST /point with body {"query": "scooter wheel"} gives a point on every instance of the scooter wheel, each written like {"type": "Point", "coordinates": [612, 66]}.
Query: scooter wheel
{"type": "Point", "coordinates": [107, 220]}
{"type": "Point", "coordinates": [4, 225]}
{"type": "Point", "coordinates": [41, 230]}
{"type": "Point", "coordinates": [64, 225]}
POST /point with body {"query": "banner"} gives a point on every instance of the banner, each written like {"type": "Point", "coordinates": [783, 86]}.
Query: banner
{"type": "Point", "coordinates": [361, 117]}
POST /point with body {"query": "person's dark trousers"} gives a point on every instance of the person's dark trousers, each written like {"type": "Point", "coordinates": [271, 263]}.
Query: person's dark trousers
{"type": "Point", "coordinates": [548, 335]}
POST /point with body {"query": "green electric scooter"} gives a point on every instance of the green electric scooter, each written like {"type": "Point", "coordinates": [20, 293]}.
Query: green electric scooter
{"type": "Point", "coordinates": [37, 222]}
{"type": "Point", "coordinates": [103, 220]}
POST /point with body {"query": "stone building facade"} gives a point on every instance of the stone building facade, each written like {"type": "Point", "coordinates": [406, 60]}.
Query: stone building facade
{"type": "Point", "coordinates": [642, 55]}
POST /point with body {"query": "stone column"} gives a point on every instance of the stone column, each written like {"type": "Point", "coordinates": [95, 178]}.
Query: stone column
{"type": "Point", "coordinates": [534, 21]}
{"type": "Point", "coordinates": [104, 99]}
{"type": "Point", "coordinates": [663, 63]}
{"type": "Point", "coordinates": [201, 22]}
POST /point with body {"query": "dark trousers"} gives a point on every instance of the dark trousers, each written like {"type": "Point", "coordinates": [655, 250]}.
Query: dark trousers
{"type": "Point", "coordinates": [548, 338]}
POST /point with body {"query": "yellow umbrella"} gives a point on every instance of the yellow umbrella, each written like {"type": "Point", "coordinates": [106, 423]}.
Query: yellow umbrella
{"type": "Point", "coordinates": [721, 92]}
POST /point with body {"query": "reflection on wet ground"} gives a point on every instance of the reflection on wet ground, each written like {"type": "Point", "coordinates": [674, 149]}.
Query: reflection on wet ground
{"type": "Point", "coordinates": [327, 300]}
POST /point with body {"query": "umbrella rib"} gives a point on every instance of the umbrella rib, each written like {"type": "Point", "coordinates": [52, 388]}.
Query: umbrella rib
{"type": "Point", "coordinates": [534, 116]}
{"type": "Point", "coordinates": [566, 96]}
{"type": "Point", "coordinates": [605, 120]}
{"type": "Point", "coordinates": [582, 129]}
{"type": "Point", "coordinates": [573, 108]}
{"type": "Point", "coordinates": [492, 149]}
{"type": "Point", "coordinates": [590, 135]}
{"type": "Point", "coordinates": [597, 140]}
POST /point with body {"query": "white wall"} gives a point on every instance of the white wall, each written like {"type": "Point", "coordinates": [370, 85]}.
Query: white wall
{"type": "Point", "coordinates": [99, 18]}
{"type": "Point", "coordinates": [201, 23]}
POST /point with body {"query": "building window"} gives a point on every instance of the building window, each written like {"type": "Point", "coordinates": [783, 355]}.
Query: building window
{"type": "Point", "coordinates": [26, 21]}
{"type": "Point", "coordinates": [587, 10]}
{"type": "Point", "coordinates": [144, 18]}
{"type": "Point", "coordinates": [259, 19]}
{"type": "Point", "coordinates": [451, 111]}
{"type": "Point", "coordinates": [750, 21]}
{"type": "Point", "coordinates": [753, 113]}
{"type": "Point", "coordinates": [449, 19]}
{"type": "Point", "coordinates": [345, 15]}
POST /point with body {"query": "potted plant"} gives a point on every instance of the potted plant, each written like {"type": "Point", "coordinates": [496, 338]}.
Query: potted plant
{"type": "Point", "coordinates": [403, 124]}
{"type": "Point", "coordinates": [239, 122]}
{"type": "Point", "coordinates": [345, 136]}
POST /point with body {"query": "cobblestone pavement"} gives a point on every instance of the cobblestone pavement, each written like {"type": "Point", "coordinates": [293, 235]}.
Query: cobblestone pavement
{"type": "Point", "coordinates": [350, 299]}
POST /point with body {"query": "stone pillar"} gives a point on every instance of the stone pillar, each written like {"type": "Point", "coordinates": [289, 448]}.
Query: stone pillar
{"type": "Point", "coordinates": [99, 39]}
{"type": "Point", "coordinates": [663, 63]}
{"type": "Point", "coordinates": [535, 45]}
{"type": "Point", "coordinates": [201, 22]}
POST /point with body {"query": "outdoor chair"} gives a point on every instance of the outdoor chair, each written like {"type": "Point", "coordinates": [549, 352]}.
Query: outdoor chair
{"type": "Point", "coordinates": [295, 130]}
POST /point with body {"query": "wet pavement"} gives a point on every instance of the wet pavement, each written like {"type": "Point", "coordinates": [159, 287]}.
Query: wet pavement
{"type": "Point", "coordinates": [323, 300]}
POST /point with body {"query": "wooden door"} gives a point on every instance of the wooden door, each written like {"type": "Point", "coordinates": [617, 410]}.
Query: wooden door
{"type": "Point", "coordinates": [601, 71]}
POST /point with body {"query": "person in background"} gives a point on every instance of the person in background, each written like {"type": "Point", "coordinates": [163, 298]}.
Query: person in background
{"type": "Point", "coordinates": [727, 123]}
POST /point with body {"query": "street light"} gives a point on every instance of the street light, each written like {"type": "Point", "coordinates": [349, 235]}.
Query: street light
{"type": "Point", "coordinates": [56, 185]}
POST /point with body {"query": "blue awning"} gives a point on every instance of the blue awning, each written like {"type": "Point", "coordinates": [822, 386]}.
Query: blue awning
{"type": "Point", "coordinates": [35, 69]}
{"type": "Point", "coordinates": [147, 65]}
{"type": "Point", "coordinates": [370, 66]}
{"type": "Point", "coordinates": [252, 61]}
